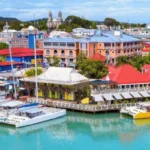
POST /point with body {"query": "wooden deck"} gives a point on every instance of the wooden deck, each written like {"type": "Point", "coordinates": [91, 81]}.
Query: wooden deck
{"type": "Point", "coordinates": [93, 108]}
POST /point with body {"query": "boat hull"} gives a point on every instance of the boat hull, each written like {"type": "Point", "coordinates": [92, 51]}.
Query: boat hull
{"type": "Point", "coordinates": [142, 115]}
{"type": "Point", "coordinates": [42, 118]}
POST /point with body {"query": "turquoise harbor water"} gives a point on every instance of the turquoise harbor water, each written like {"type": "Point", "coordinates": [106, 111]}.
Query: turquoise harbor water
{"type": "Point", "coordinates": [79, 131]}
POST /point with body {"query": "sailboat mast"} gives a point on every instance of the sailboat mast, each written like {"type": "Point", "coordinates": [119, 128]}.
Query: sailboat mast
{"type": "Point", "coordinates": [9, 45]}
{"type": "Point", "coordinates": [36, 82]}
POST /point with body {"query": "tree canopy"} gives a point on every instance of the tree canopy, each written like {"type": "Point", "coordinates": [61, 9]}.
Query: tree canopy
{"type": "Point", "coordinates": [91, 68]}
{"type": "Point", "coordinates": [137, 61]}
{"type": "Point", "coordinates": [3, 45]}
{"type": "Point", "coordinates": [31, 72]}
{"type": "Point", "coordinates": [55, 61]}
{"type": "Point", "coordinates": [76, 22]}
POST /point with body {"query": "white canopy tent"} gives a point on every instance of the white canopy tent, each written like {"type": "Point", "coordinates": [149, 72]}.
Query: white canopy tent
{"type": "Point", "coordinates": [144, 93]}
{"type": "Point", "coordinates": [135, 94]}
{"type": "Point", "coordinates": [108, 97]}
{"type": "Point", "coordinates": [126, 95]}
{"type": "Point", "coordinates": [97, 97]}
{"type": "Point", "coordinates": [117, 96]}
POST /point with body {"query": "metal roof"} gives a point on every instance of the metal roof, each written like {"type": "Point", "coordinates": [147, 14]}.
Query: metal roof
{"type": "Point", "coordinates": [107, 37]}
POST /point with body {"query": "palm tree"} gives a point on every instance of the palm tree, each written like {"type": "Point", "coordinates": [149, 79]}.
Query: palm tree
{"type": "Point", "coordinates": [121, 60]}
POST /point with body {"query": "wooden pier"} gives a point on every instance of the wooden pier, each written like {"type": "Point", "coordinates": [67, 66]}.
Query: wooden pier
{"type": "Point", "coordinates": [93, 108]}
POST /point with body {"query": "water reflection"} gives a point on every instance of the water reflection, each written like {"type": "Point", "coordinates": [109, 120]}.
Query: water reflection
{"type": "Point", "coordinates": [76, 127]}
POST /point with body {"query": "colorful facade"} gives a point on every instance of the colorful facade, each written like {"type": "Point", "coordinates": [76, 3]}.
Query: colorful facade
{"type": "Point", "coordinates": [110, 44]}
{"type": "Point", "coordinates": [59, 83]}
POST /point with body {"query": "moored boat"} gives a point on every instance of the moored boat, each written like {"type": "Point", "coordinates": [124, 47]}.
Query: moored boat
{"type": "Point", "coordinates": [142, 111]}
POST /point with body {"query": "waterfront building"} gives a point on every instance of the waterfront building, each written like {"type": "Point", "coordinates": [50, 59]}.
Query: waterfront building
{"type": "Point", "coordinates": [22, 55]}
{"type": "Point", "coordinates": [5, 66]}
{"type": "Point", "coordinates": [64, 48]}
{"type": "Point", "coordinates": [109, 44]}
{"type": "Point", "coordinates": [58, 83]}
{"type": "Point", "coordinates": [122, 83]}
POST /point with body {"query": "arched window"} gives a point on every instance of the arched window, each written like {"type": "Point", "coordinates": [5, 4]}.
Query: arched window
{"type": "Point", "coordinates": [55, 52]}
{"type": "Point", "coordinates": [62, 52]}
{"type": "Point", "coordinates": [47, 52]}
{"type": "Point", "coordinates": [70, 53]}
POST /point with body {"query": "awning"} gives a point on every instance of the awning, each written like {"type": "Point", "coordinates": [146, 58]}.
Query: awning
{"type": "Point", "coordinates": [108, 97]}
{"type": "Point", "coordinates": [126, 95]}
{"type": "Point", "coordinates": [97, 97]}
{"type": "Point", "coordinates": [117, 96]}
{"type": "Point", "coordinates": [135, 94]}
{"type": "Point", "coordinates": [144, 93]}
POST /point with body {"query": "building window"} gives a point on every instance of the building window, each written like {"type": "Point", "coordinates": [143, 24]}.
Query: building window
{"type": "Point", "coordinates": [70, 53]}
{"type": "Point", "coordinates": [63, 52]}
{"type": "Point", "coordinates": [124, 51]}
{"type": "Point", "coordinates": [47, 43]}
{"type": "Point", "coordinates": [55, 44]}
{"type": "Point", "coordinates": [107, 44]}
{"type": "Point", "coordinates": [55, 52]}
{"type": "Point", "coordinates": [71, 60]}
{"type": "Point", "coordinates": [62, 44]}
{"type": "Point", "coordinates": [47, 52]}
{"type": "Point", "coordinates": [63, 60]}
{"type": "Point", "coordinates": [70, 44]}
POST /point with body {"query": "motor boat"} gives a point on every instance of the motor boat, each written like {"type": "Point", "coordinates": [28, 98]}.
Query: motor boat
{"type": "Point", "coordinates": [33, 116]}
{"type": "Point", "coordinates": [12, 107]}
{"type": "Point", "coordinates": [142, 111]}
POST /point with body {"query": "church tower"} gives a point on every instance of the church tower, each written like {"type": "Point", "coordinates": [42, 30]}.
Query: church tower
{"type": "Point", "coordinates": [49, 21]}
{"type": "Point", "coordinates": [59, 19]}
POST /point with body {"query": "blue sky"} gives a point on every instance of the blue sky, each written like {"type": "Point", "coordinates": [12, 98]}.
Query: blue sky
{"type": "Point", "coordinates": [122, 10]}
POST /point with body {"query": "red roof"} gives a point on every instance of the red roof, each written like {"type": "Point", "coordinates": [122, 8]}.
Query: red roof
{"type": "Point", "coordinates": [7, 63]}
{"type": "Point", "coordinates": [127, 74]}
{"type": "Point", "coordinates": [146, 67]}
{"type": "Point", "coordinates": [98, 56]}
{"type": "Point", "coordinates": [20, 51]}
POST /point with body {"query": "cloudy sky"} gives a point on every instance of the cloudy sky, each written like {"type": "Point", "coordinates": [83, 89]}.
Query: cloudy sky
{"type": "Point", "coordinates": [122, 10]}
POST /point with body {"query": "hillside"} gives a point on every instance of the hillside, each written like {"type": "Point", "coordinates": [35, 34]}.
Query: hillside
{"type": "Point", "coordinates": [13, 23]}
{"type": "Point", "coordinates": [76, 22]}
{"type": "Point", "coordinates": [8, 19]}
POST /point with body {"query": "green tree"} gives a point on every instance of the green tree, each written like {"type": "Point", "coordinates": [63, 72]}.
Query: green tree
{"type": "Point", "coordinates": [121, 60]}
{"type": "Point", "coordinates": [31, 72]}
{"type": "Point", "coordinates": [111, 22]}
{"type": "Point", "coordinates": [146, 59]}
{"type": "Point", "coordinates": [56, 61]}
{"type": "Point", "coordinates": [91, 68]}
{"type": "Point", "coordinates": [137, 62]}
{"type": "Point", "coordinates": [3, 45]}
{"type": "Point", "coordinates": [68, 29]}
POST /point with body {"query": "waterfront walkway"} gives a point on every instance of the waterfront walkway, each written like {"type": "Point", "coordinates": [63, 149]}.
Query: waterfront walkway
{"type": "Point", "coordinates": [81, 107]}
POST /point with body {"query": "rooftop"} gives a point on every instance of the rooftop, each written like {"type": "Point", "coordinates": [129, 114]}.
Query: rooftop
{"type": "Point", "coordinates": [126, 74]}
{"type": "Point", "coordinates": [19, 51]}
{"type": "Point", "coordinates": [59, 75]}
{"type": "Point", "coordinates": [105, 36]}
{"type": "Point", "coordinates": [99, 57]}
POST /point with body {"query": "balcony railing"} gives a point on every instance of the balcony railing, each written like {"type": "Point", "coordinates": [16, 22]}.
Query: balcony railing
{"type": "Point", "coordinates": [103, 91]}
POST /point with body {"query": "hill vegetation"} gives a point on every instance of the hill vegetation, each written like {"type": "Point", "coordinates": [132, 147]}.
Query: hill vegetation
{"type": "Point", "coordinates": [76, 22]}
{"type": "Point", "coordinates": [69, 23]}
{"type": "Point", "coordinates": [112, 22]}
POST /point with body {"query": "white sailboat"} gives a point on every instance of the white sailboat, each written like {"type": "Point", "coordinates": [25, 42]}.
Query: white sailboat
{"type": "Point", "coordinates": [28, 117]}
